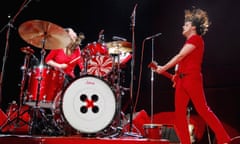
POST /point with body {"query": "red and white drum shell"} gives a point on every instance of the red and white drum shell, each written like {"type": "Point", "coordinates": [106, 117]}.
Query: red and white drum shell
{"type": "Point", "coordinates": [96, 48]}
{"type": "Point", "coordinates": [43, 85]}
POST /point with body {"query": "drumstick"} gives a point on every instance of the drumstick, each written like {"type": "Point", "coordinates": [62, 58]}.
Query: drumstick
{"type": "Point", "coordinates": [74, 60]}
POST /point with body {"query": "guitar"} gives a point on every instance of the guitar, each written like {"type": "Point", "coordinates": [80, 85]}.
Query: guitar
{"type": "Point", "coordinates": [154, 65]}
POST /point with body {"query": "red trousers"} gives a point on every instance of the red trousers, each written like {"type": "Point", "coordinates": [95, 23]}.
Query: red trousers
{"type": "Point", "coordinates": [190, 87]}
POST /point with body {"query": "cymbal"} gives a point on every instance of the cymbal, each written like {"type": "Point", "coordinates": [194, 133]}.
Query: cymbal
{"type": "Point", "coordinates": [27, 50]}
{"type": "Point", "coordinates": [43, 34]}
{"type": "Point", "coordinates": [117, 47]}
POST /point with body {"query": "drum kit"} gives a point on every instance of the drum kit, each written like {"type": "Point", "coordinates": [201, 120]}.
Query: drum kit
{"type": "Point", "coordinates": [90, 105]}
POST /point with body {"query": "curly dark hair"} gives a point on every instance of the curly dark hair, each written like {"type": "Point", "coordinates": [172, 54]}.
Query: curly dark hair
{"type": "Point", "coordinates": [199, 18]}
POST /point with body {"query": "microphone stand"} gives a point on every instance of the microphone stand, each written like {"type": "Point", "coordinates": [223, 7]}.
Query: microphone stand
{"type": "Point", "coordinates": [133, 18]}
{"type": "Point", "coordinates": [152, 73]}
{"type": "Point", "coordinates": [152, 82]}
{"type": "Point", "coordinates": [9, 25]}
{"type": "Point", "coordinates": [132, 68]}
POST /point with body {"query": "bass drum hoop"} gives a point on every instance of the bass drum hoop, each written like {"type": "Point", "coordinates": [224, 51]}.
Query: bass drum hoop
{"type": "Point", "coordinates": [88, 122]}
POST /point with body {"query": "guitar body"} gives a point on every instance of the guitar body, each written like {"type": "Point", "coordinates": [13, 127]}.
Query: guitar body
{"type": "Point", "coordinates": [154, 65]}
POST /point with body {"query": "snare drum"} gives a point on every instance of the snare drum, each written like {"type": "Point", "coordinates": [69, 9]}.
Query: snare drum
{"type": "Point", "coordinates": [44, 83]}
{"type": "Point", "coordinates": [89, 104]}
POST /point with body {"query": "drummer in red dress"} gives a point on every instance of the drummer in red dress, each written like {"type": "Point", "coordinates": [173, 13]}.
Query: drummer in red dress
{"type": "Point", "coordinates": [66, 59]}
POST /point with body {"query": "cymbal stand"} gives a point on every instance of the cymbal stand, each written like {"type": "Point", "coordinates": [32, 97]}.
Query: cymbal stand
{"type": "Point", "coordinates": [116, 82]}
{"type": "Point", "coordinates": [9, 25]}
{"type": "Point", "coordinates": [37, 113]}
{"type": "Point", "coordinates": [41, 123]}
{"type": "Point", "coordinates": [17, 119]}
{"type": "Point", "coordinates": [86, 57]}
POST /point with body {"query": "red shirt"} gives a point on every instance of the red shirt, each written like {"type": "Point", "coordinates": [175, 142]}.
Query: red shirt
{"type": "Point", "coordinates": [192, 63]}
{"type": "Point", "coordinates": [72, 60]}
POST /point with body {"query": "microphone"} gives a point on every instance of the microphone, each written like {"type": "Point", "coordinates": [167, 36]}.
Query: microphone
{"type": "Point", "coordinates": [153, 36]}
{"type": "Point", "coordinates": [117, 38]}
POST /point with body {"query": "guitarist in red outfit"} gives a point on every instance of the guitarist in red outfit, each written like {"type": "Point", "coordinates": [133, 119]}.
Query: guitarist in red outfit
{"type": "Point", "coordinates": [188, 78]}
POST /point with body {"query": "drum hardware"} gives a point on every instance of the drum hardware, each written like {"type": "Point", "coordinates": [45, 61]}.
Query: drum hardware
{"type": "Point", "coordinates": [101, 36]}
{"type": "Point", "coordinates": [132, 109]}
{"type": "Point", "coordinates": [118, 38]}
{"type": "Point", "coordinates": [40, 122]}
{"type": "Point", "coordinates": [17, 119]}
{"type": "Point", "coordinates": [117, 47]}
{"type": "Point", "coordinates": [36, 112]}
{"type": "Point", "coordinates": [44, 35]}
{"type": "Point", "coordinates": [97, 60]}
{"type": "Point", "coordinates": [85, 53]}
{"type": "Point", "coordinates": [28, 51]}
{"type": "Point", "coordinates": [43, 123]}
{"type": "Point", "coordinates": [9, 26]}
{"type": "Point", "coordinates": [116, 129]}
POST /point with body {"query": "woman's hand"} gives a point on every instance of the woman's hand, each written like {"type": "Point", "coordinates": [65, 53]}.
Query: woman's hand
{"type": "Point", "coordinates": [62, 66]}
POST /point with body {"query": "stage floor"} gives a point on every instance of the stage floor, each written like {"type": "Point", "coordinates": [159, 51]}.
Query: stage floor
{"type": "Point", "coordinates": [27, 139]}
{"type": "Point", "coordinates": [19, 131]}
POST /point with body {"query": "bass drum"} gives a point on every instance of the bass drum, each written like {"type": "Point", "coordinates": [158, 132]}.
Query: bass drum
{"type": "Point", "coordinates": [61, 124]}
{"type": "Point", "coordinates": [89, 104]}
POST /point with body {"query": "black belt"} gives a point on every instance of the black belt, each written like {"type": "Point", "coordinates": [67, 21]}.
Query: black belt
{"type": "Point", "coordinates": [181, 75]}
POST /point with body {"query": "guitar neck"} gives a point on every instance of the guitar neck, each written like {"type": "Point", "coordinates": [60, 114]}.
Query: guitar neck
{"type": "Point", "coordinates": [154, 65]}
{"type": "Point", "coordinates": [167, 74]}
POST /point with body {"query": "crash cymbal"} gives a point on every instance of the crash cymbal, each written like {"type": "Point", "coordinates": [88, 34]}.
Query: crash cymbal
{"type": "Point", "coordinates": [43, 34]}
{"type": "Point", "coordinates": [117, 47]}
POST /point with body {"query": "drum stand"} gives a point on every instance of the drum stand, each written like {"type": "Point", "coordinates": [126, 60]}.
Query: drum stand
{"type": "Point", "coordinates": [130, 133]}
{"type": "Point", "coordinates": [117, 73]}
{"type": "Point", "coordinates": [117, 126]}
{"type": "Point", "coordinates": [16, 121]}
{"type": "Point", "coordinates": [40, 122]}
